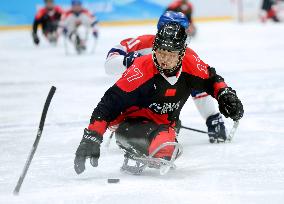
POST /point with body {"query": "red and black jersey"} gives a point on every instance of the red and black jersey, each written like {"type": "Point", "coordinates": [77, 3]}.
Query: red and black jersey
{"type": "Point", "coordinates": [143, 45]}
{"type": "Point", "coordinates": [143, 92]}
{"type": "Point", "coordinates": [46, 18]}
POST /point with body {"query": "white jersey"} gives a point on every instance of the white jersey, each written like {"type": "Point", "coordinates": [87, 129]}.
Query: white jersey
{"type": "Point", "coordinates": [71, 20]}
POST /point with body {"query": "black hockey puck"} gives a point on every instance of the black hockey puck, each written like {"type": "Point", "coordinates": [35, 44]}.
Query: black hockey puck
{"type": "Point", "coordinates": [112, 180]}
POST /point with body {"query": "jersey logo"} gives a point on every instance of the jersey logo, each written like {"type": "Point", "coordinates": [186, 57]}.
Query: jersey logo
{"type": "Point", "coordinates": [170, 92]}
{"type": "Point", "coordinates": [132, 43]}
{"type": "Point", "coordinates": [199, 66]}
{"type": "Point", "coordinates": [163, 108]}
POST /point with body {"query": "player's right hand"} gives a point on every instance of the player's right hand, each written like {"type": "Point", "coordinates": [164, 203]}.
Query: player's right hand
{"type": "Point", "coordinates": [89, 148]}
{"type": "Point", "coordinates": [35, 39]}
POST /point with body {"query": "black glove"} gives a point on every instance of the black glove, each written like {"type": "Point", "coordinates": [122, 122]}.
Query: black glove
{"type": "Point", "coordinates": [35, 38]}
{"type": "Point", "coordinates": [229, 104]}
{"type": "Point", "coordinates": [89, 148]}
{"type": "Point", "coordinates": [130, 57]}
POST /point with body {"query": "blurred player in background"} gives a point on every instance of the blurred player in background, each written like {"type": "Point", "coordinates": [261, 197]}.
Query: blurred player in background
{"type": "Point", "coordinates": [77, 23]}
{"type": "Point", "coordinates": [121, 56]}
{"type": "Point", "coordinates": [186, 8]}
{"type": "Point", "coordinates": [48, 17]}
{"type": "Point", "coordinates": [269, 11]}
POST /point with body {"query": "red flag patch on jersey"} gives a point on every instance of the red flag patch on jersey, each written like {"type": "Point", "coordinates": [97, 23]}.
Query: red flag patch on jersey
{"type": "Point", "coordinates": [170, 92]}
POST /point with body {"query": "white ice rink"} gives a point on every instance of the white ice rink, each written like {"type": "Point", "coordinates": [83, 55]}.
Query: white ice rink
{"type": "Point", "coordinates": [249, 170]}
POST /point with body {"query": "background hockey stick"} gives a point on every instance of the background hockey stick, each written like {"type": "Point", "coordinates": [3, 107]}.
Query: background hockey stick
{"type": "Point", "coordinates": [196, 130]}
{"type": "Point", "coordinates": [109, 139]}
{"type": "Point", "coordinates": [34, 147]}
{"type": "Point", "coordinates": [230, 136]}
{"type": "Point", "coordinates": [66, 45]}
{"type": "Point", "coordinates": [233, 130]}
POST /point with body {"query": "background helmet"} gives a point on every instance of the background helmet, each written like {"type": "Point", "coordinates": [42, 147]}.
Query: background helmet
{"type": "Point", "coordinates": [171, 37]}
{"type": "Point", "coordinates": [45, 1]}
{"type": "Point", "coordinates": [76, 2]}
{"type": "Point", "coordinates": [172, 16]}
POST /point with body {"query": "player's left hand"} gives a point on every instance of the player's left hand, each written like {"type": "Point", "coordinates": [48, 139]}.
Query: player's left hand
{"type": "Point", "coordinates": [229, 104]}
{"type": "Point", "coordinates": [130, 57]}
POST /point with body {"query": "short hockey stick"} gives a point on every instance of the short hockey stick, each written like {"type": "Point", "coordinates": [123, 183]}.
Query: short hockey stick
{"type": "Point", "coordinates": [230, 136]}
{"type": "Point", "coordinates": [233, 130]}
{"type": "Point", "coordinates": [34, 147]}
{"type": "Point", "coordinates": [196, 130]}
{"type": "Point", "coordinates": [109, 139]}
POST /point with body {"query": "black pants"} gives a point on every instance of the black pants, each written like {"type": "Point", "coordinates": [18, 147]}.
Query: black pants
{"type": "Point", "coordinates": [49, 27]}
{"type": "Point", "coordinates": [266, 5]}
{"type": "Point", "coordinates": [135, 135]}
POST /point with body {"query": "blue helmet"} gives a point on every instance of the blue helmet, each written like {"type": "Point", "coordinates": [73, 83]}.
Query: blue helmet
{"type": "Point", "coordinates": [172, 16]}
{"type": "Point", "coordinates": [76, 2]}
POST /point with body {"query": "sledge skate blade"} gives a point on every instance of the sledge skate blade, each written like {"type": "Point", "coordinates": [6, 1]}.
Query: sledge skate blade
{"type": "Point", "coordinates": [149, 161]}
{"type": "Point", "coordinates": [164, 170]}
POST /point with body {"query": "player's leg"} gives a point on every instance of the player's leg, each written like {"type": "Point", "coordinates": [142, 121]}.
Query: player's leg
{"type": "Point", "coordinates": [51, 31]}
{"type": "Point", "coordinates": [140, 139]}
{"type": "Point", "coordinates": [207, 109]}
{"type": "Point", "coordinates": [132, 135]}
{"type": "Point", "coordinates": [161, 135]}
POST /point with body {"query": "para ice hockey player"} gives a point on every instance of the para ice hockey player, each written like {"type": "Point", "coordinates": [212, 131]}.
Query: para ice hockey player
{"type": "Point", "coordinates": [269, 11]}
{"type": "Point", "coordinates": [122, 56]}
{"type": "Point", "coordinates": [48, 17]}
{"type": "Point", "coordinates": [77, 22]}
{"type": "Point", "coordinates": [146, 101]}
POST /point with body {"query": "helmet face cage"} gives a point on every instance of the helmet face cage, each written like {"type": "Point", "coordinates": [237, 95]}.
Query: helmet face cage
{"type": "Point", "coordinates": [172, 71]}
{"type": "Point", "coordinates": [171, 37]}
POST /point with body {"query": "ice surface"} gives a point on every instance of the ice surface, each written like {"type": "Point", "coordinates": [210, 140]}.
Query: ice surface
{"type": "Point", "coordinates": [249, 170]}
